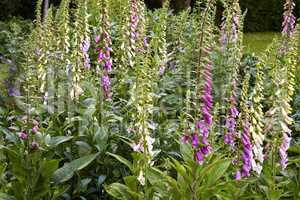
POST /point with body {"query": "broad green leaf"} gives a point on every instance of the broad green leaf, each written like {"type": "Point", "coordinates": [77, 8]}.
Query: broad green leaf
{"type": "Point", "coordinates": [67, 171]}
{"type": "Point", "coordinates": [122, 160]}
{"type": "Point", "coordinates": [54, 141]}
{"type": "Point", "coordinates": [215, 171]}
{"type": "Point", "coordinates": [120, 191]}
{"type": "Point", "coordinates": [4, 196]}
{"type": "Point", "coordinates": [131, 182]}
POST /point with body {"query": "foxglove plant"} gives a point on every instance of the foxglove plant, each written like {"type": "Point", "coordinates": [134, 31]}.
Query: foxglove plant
{"type": "Point", "coordinates": [235, 58]}
{"type": "Point", "coordinates": [103, 41]}
{"type": "Point", "coordinates": [283, 80]}
{"type": "Point", "coordinates": [205, 124]}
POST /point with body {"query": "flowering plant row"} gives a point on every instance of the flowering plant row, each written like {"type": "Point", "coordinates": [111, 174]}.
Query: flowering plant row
{"type": "Point", "coordinates": [118, 101]}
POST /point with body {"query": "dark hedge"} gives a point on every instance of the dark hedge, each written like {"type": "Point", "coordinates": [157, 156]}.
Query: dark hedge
{"type": "Point", "coordinates": [263, 15]}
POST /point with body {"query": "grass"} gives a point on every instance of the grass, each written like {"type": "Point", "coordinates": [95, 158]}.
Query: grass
{"type": "Point", "coordinates": [258, 42]}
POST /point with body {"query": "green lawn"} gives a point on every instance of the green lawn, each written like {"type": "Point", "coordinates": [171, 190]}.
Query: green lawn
{"type": "Point", "coordinates": [258, 42]}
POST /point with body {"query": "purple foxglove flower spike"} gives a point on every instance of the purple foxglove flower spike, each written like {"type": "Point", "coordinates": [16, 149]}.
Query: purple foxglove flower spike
{"type": "Point", "coordinates": [104, 55]}
{"type": "Point", "coordinates": [205, 124]}
{"type": "Point", "coordinates": [247, 150]}
{"type": "Point", "coordinates": [230, 122]}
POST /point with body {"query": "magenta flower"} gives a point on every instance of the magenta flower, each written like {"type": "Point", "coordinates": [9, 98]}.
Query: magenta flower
{"type": "Point", "coordinates": [205, 150]}
{"type": "Point", "coordinates": [103, 49]}
{"type": "Point", "coordinates": [238, 175]}
{"type": "Point", "coordinates": [195, 140]}
{"type": "Point", "coordinates": [106, 86]}
{"type": "Point", "coordinates": [23, 135]}
{"type": "Point", "coordinates": [230, 122]}
{"type": "Point", "coordinates": [234, 112]}
{"type": "Point", "coordinates": [100, 56]}
{"type": "Point", "coordinates": [288, 25]}
{"type": "Point", "coordinates": [133, 21]}
{"type": "Point", "coordinates": [35, 129]}
{"type": "Point", "coordinates": [199, 157]}
{"type": "Point", "coordinates": [185, 139]}
{"type": "Point", "coordinates": [97, 38]}
{"type": "Point", "coordinates": [108, 66]}
{"type": "Point", "coordinates": [247, 150]}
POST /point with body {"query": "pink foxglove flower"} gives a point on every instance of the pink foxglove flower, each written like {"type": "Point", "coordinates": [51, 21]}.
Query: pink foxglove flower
{"type": "Point", "coordinates": [195, 140]}
{"type": "Point", "coordinates": [34, 145]}
{"type": "Point", "coordinates": [238, 175]}
{"type": "Point", "coordinates": [283, 150]}
{"type": "Point", "coordinates": [35, 129]}
{"type": "Point", "coordinates": [185, 139]}
{"type": "Point", "coordinates": [289, 19]}
{"type": "Point", "coordinates": [106, 86]}
{"type": "Point", "coordinates": [199, 157]}
{"type": "Point", "coordinates": [23, 135]}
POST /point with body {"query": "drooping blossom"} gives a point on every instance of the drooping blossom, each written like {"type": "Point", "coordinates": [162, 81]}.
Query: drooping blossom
{"type": "Point", "coordinates": [35, 129]}
{"type": "Point", "coordinates": [34, 145]}
{"type": "Point", "coordinates": [134, 19]}
{"type": "Point", "coordinates": [238, 175]}
{"type": "Point", "coordinates": [234, 28]}
{"type": "Point", "coordinates": [283, 150]}
{"type": "Point", "coordinates": [230, 122]}
{"type": "Point", "coordinates": [223, 37]}
{"type": "Point", "coordinates": [195, 140]}
{"type": "Point", "coordinates": [85, 45]}
{"type": "Point", "coordinates": [247, 149]}
{"type": "Point", "coordinates": [97, 38]}
{"type": "Point", "coordinates": [289, 20]}
{"type": "Point", "coordinates": [207, 100]}
{"type": "Point", "coordinates": [139, 147]}
{"type": "Point", "coordinates": [185, 139]}
{"type": "Point", "coordinates": [104, 59]}
{"type": "Point", "coordinates": [162, 69]}
{"type": "Point", "coordinates": [108, 65]}
{"type": "Point", "coordinates": [147, 142]}
{"type": "Point", "coordinates": [23, 135]}
{"type": "Point", "coordinates": [141, 178]}
{"type": "Point", "coordinates": [106, 86]}
{"type": "Point", "coordinates": [284, 145]}
{"type": "Point", "coordinates": [199, 157]}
